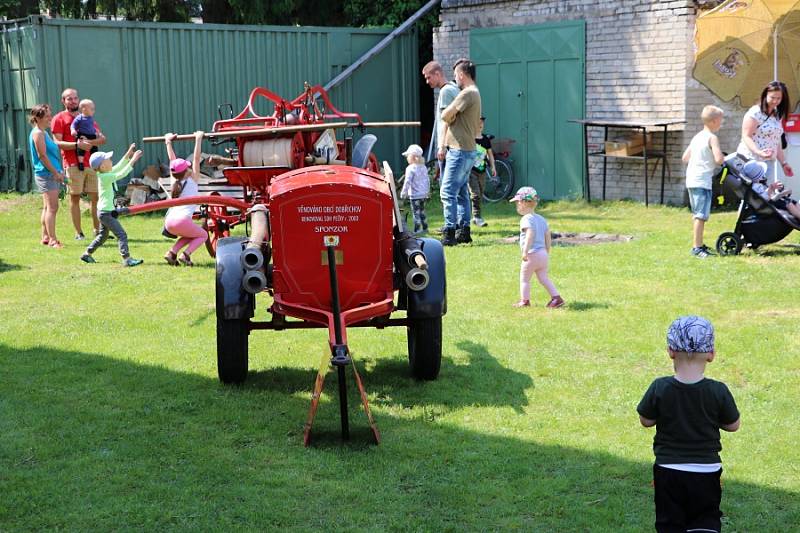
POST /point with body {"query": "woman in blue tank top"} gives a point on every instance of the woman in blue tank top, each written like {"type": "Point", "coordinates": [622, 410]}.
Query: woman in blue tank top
{"type": "Point", "coordinates": [47, 170]}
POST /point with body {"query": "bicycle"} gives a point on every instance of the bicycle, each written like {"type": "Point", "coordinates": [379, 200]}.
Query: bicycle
{"type": "Point", "coordinates": [496, 188]}
{"type": "Point", "coordinates": [500, 186]}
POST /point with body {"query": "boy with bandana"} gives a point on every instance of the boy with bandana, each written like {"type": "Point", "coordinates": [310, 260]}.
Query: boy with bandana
{"type": "Point", "coordinates": [688, 411]}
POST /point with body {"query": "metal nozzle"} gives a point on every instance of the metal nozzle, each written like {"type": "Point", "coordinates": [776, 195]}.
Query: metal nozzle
{"type": "Point", "coordinates": [254, 281]}
{"type": "Point", "coordinates": [417, 279]}
{"type": "Point", "coordinates": [252, 258]}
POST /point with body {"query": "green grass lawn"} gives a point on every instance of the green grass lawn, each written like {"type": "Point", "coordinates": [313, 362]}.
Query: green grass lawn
{"type": "Point", "coordinates": [112, 416]}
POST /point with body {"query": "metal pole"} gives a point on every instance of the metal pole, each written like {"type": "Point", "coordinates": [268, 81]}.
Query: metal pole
{"type": "Point", "coordinates": [337, 336]}
{"type": "Point", "coordinates": [775, 53]}
{"type": "Point", "coordinates": [346, 73]}
{"type": "Point", "coordinates": [586, 162]}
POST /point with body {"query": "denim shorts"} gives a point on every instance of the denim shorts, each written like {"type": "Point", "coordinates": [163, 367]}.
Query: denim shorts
{"type": "Point", "coordinates": [700, 202]}
{"type": "Point", "coordinates": [46, 183]}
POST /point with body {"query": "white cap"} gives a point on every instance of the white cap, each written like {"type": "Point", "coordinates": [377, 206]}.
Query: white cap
{"type": "Point", "coordinates": [414, 149]}
{"type": "Point", "coordinates": [98, 157]}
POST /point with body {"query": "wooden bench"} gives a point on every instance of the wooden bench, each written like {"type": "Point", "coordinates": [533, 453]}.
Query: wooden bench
{"type": "Point", "coordinates": [208, 186]}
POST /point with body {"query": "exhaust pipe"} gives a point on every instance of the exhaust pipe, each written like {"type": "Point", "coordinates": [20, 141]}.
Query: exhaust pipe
{"type": "Point", "coordinates": [417, 279]}
{"type": "Point", "coordinates": [257, 253]}
{"type": "Point", "coordinates": [260, 226]}
{"type": "Point", "coordinates": [254, 281]}
{"type": "Point", "coordinates": [410, 261]}
{"type": "Point", "coordinates": [252, 258]}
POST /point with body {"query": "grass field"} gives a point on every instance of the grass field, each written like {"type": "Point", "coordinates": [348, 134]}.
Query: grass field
{"type": "Point", "coordinates": [112, 416]}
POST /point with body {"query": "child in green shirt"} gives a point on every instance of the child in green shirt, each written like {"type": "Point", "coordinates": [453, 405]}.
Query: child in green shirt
{"type": "Point", "coordinates": [107, 175]}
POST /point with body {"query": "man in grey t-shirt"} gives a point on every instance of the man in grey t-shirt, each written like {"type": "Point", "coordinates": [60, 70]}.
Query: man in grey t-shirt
{"type": "Point", "coordinates": [435, 78]}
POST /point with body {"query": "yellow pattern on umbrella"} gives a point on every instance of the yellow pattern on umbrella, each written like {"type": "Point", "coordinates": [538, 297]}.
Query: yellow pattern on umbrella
{"type": "Point", "coordinates": [742, 45]}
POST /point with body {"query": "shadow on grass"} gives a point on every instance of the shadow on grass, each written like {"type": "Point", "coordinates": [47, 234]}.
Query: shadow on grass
{"type": "Point", "coordinates": [586, 306]}
{"type": "Point", "coordinates": [390, 379]}
{"type": "Point", "coordinates": [779, 250]}
{"type": "Point", "coordinates": [95, 443]}
{"type": "Point", "coordinates": [6, 267]}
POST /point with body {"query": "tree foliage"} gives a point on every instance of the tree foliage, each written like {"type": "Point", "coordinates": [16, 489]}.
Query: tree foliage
{"type": "Point", "coordinates": [354, 13]}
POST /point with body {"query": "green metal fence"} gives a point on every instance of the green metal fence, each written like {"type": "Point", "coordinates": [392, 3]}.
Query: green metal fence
{"type": "Point", "coordinates": [148, 78]}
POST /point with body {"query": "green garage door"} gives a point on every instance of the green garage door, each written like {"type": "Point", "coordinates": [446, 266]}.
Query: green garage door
{"type": "Point", "coordinates": [532, 81]}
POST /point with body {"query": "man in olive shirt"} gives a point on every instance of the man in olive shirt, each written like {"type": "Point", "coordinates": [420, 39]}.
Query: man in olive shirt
{"type": "Point", "coordinates": [463, 119]}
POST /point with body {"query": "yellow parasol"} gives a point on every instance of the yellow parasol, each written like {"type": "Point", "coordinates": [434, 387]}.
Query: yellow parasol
{"type": "Point", "coordinates": [741, 45]}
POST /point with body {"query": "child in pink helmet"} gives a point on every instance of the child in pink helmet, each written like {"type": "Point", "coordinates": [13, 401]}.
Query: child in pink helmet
{"type": "Point", "coordinates": [534, 241]}
{"type": "Point", "coordinates": [178, 220]}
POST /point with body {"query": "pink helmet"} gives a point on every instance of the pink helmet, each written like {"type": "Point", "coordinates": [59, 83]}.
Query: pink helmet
{"type": "Point", "coordinates": [178, 165]}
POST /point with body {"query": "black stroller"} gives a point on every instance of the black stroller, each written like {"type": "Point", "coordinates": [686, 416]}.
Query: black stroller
{"type": "Point", "coordinates": [759, 222]}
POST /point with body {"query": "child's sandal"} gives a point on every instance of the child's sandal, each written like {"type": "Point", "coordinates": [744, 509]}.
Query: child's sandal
{"type": "Point", "coordinates": [55, 243]}
{"type": "Point", "coordinates": [523, 303]}
{"type": "Point", "coordinates": [45, 241]}
{"type": "Point", "coordinates": [171, 258]}
{"type": "Point", "coordinates": [186, 260]}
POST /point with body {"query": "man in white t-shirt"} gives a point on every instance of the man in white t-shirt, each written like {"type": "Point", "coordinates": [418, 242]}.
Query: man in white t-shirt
{"type": "Point", "coordinates": [703, 156]}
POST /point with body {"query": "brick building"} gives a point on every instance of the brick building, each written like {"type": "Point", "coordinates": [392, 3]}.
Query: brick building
{"type": "Point", "coordinates": [636, 63]}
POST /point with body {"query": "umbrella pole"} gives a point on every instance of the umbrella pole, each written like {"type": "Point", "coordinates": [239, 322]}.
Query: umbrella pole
{"type": "Point", "coordinates": [775, 53]}
{"type": "Point", "coordinates": [775, 77]}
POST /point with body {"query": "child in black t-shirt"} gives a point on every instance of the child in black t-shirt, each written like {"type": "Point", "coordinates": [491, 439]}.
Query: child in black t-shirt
{"type": "Point", "coordinates": [688, 411]}
{"type": "Point", "coordinates": [477, 174]}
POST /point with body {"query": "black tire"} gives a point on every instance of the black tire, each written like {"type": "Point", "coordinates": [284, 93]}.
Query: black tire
{"type": "Point", "coordinates": [232, 348]}
{"type": "Point", "coordinates": [425, 347]}
{"type": "Point", "coordinates": [232, 328]}
{"type": "Point", "coordinates": [729, 243]}
{"type": "Point", "coordinates": [498, 187]}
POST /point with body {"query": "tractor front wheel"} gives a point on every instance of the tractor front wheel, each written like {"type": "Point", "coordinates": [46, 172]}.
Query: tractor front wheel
{"type": "Point", "coordinates": [425, 347]}
{"type": "Point", "coordinates": [232, 348]}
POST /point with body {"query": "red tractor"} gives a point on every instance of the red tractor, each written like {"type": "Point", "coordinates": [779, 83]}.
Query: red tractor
{"type": "Point", "coordinates": [326, 247]}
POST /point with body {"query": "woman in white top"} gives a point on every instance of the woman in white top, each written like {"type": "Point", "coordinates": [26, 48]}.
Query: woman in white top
{"type": "Point", "coordinates": [179, 218]}
{"type": "Point", "coordinates": [762, 129]}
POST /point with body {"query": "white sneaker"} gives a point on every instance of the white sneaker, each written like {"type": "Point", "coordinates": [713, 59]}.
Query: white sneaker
{"type": "Point", "coordinates": [478, 221]}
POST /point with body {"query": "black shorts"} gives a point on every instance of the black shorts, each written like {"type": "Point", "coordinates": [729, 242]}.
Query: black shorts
{"type": "Point", "coordinates": [687, 501]}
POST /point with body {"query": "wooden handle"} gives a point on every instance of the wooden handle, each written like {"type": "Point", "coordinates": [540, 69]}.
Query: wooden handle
{"type": "Point", "coordinates": [383, 125]}
{"type": "Point", "coordinates": [280, 130]}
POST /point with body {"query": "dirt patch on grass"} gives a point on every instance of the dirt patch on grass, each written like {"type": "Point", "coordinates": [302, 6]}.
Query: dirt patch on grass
{"type": "Point", "coordinates": [9, 204]}
{"type": "Point", "coordinates": [578, 239]}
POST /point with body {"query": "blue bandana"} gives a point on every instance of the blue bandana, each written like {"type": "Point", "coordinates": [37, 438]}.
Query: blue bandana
{"type": "Point", "coordinates": [691, 334]}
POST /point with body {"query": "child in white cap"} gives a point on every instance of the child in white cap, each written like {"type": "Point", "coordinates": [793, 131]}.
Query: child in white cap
{"type": "Point", "coordinates": [107, 174]}
{"type": "Point", "coordinates": [416, 186]}
{"type": "Point", "coordinates": [534, 241]}
{"type": "Point", "coordinates": [776, 193]}
{"type": "Point", "coordinates": [688, 411]}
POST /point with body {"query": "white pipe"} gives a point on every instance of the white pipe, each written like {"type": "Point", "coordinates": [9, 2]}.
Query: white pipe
{"type": "Point", "coordinates": [775, 53]}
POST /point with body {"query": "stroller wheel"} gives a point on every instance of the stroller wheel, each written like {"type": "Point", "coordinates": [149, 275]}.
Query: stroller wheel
{"type": "Point", "coordinates": [729, 244]}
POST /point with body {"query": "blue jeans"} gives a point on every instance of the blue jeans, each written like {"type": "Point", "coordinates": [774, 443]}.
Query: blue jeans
{"type": "Point", "coordinates": [455, 190]}
{"type": "Point", "coordinates": [700, 202]}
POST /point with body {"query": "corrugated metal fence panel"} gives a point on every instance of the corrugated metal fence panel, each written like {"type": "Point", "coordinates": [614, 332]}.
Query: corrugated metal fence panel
{"type": "Point", "coordinates": [19, 92]}
{"type": "Point", "coordinates": [147, 79]}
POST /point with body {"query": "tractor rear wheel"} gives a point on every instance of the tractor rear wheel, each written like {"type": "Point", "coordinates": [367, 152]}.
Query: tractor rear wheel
{"type": "Point", "coordinates": [425, 347]}
{"type": "Point", "coordinates": [232, 348]}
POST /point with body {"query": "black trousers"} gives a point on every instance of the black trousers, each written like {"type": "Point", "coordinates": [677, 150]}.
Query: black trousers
{"type": "Point", "coordinates": [687, 501]}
